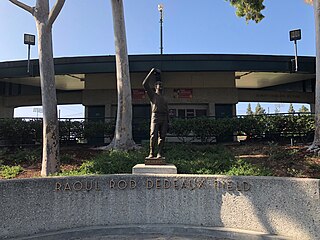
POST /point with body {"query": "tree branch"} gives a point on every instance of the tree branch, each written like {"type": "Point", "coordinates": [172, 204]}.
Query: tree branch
{"type": "Point", "coordinates": [23, 6]}
{"type": "Point", "coordinates": [55, 11]}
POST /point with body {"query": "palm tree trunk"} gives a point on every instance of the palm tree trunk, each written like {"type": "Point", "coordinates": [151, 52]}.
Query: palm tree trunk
{"type": "Point", "coordinates": [50, 157]}
{"type": "Point", "coordinates": [316, 142]}
{"type": "Point", "coordinates": [123, 132]}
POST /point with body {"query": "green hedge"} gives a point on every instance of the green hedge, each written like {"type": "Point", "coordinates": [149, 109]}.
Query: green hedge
{"type": "Point", "coordinates": [205, 130]}
{"type": "Point", "coordinates": [19, 131]}
{"type": "Point", "coordinates": [268, 127]}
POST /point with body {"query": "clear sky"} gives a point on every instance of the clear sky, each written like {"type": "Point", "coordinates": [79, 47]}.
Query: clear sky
{"type": "Point", "coordinates": [84, 27]}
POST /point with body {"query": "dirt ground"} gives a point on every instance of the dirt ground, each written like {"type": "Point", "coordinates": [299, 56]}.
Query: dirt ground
{"type": "Point", "coordinates": [282, 160]}
{"type": "Point", "coordinates": [71, 158]}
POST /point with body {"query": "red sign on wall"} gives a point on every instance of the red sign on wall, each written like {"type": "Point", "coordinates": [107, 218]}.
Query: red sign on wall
{"type": "Point", "coordinates": [182, 93]}
{"type": "Point", "coordinates": [138, 94]}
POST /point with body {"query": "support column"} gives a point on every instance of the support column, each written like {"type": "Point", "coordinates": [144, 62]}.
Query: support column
{"type": "Point", "coordinates": [212, 109]}
{"type": "Point", "coordinates": [107, 114]}
{"type": "Point", "coordinates": [5, 112]}
{"type": "Point", "coordinates": [86, 115]}
{"type": "Point", "coordinates": [234, 110]}
{"type": "Point", "coordinates": [312, 108]}
{"type": "Point", "coordinates": [107, 111]}
{"type": "Point", "coordinates": [234, 113]}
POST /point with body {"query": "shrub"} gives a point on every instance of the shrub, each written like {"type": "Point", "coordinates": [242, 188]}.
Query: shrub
{"type": "Point", "coordinates": [192, 159]}
{"type": "Point", "coordinates": [20, 156]}
{"type": "Point", "coordinates": [305, 126]}
{"type": "Point", "coordinates": [181, 128]}
{"type": "Point", "coordinates": [111, 162]}
{"type": "Point", "coordinates": [204, 129]}
{"type": "Point", "coordinates": [16, 131]}
{"type": "Point", "coordinates": [189, 159]}
{"type": "Point", "coordinates": [252, 126]}
{"type": "Point", "coordinates": [70, 130]}
{"type": "Point", "coordinates": [36, 130]}
{"type": "Point", "coordinates": [269, 127]}
{"type": "Point", "coordinates": [207, 129]}
{"type": "Point", "coordinates": [98, 129]}
{"type": "Point", "coordinates": [242, 168]}
{"type": "Point", "coordinates": [116, 162]}
{"type": "Point", "coordinates": [9, 172]}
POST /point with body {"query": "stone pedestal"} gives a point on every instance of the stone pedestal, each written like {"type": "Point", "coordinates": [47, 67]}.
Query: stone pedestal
{"type": "Point", "coordinates": [154, 169]}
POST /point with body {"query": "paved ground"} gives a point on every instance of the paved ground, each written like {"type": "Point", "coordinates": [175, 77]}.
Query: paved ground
{"type": "Point", "coordinates": [101, 236]}
{"type": "Point", "coordinates": [148, 237]}
{"type": "Point", "coordinates": [146, 232]}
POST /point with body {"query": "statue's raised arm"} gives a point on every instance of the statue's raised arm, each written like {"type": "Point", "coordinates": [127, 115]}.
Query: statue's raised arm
{"type": "Point", "coordinates": [146, 82]}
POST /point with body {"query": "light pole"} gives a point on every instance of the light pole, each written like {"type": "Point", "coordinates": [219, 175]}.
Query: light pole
{"type": "Point", "coordinates": [29, 39]}
{"type": "Point", "coordinates": [37, 110]}
{"type": "Point", "coordinates": [160, 9]}
{"type": "Point", "coordinates": [294, 36]}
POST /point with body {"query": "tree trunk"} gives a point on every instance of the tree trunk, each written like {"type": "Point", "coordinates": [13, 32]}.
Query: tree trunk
{"type": "Point", "coordinates": [50, 157]}
{"type": "Point", "coordinates": [123, 132]}
{"type": "Point", "coordinates": [44, 21]}
{"type": "Point", "coordinates": [316, 142]}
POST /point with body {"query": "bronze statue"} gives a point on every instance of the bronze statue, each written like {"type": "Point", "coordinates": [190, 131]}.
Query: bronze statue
{"type": "Point", "coordinates": [159, 113]}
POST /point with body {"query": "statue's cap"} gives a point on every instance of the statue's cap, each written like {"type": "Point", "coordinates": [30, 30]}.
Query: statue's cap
{"type": "Point", "coordinates": [158, 83]}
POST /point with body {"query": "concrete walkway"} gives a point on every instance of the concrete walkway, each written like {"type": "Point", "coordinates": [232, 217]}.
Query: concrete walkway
{"type": "Point", "coordinates": [151, 232]}
{"type": "Point", "coordinates": [150, 237]}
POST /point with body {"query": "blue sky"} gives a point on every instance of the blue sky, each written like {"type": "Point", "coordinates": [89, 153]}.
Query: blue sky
{"type": "Point", "coordinates": [84, 27]}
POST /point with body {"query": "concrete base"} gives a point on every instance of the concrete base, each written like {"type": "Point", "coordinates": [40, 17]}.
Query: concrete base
{"type": "Point", "coordinates": [175, 204]}
{"type": "Point", "coordinates": [154, 169]}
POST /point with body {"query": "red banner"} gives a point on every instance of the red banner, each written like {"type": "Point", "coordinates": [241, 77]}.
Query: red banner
{"type": "Point", "coordinates": [138, 94]}
{"type": "Point", "coordinates": [182, 93]}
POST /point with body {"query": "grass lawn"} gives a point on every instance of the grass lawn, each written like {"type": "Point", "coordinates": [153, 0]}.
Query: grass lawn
{"type": "Point", "coordinates": [257, 159]}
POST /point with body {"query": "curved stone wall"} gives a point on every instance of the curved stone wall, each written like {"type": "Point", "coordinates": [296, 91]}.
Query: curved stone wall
{"type": "Point", "coordinates": [282, 206]}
